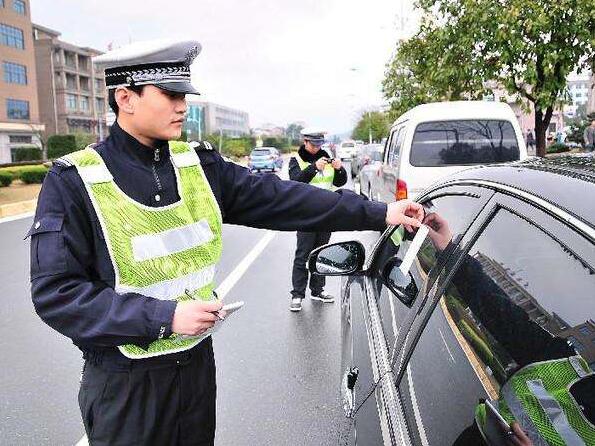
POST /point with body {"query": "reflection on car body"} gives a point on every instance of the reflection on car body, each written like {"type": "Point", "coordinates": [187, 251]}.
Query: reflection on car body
{"type": "Point", "coordinates": [500, 322]}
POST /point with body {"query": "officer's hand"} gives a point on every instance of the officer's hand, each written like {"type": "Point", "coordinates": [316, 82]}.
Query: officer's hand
{"type": "Point", "coordinates": [517, 437]}
{"type": "Point", "coordinates": [195, 317]}
{"type": "Point", "coordinates": [439, 231]}
{"type": "Point", "coordinates": [405, 212]}
{"type": "Point", "coordinates": [336, 164]}
{"type": "Point", "coordinates": [321, 163]}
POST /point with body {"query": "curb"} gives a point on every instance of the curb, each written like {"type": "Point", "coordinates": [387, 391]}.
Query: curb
{"type": "Point", "coordinates": [21, 207]}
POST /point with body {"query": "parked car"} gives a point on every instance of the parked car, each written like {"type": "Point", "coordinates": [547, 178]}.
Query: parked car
{"type": "Point", "coordinates": [346, 150]}
{"type": "Point", "coordinates": [265, 158]}
{"type": "Point", "coordinates": [369, 171]}
{"type": "Point", "coordinates": [363, 157]}
{"type": "Point", "coordinates": [497, 304]}
{"type": "Point", "coordinates": [431, 141]}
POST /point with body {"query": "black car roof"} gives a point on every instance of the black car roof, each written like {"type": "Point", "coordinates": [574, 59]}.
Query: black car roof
{"type": "Point", "coordinates": [566, 181]}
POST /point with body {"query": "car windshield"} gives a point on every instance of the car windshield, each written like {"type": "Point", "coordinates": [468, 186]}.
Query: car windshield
{"type": "Point", "coordinates": [348, 144]}
{"type": "Point", "coordinates": [376, 156]}
{"type": "Point", "coordinates": [260, 152]}
{"type": "Point", "coordinates": [444, 143]}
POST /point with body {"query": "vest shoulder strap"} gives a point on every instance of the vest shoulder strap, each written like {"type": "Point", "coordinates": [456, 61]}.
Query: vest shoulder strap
{"type": "Point", "coordinates": [89, 165]}
{"type": "Point", "coordinates": [182, 155]}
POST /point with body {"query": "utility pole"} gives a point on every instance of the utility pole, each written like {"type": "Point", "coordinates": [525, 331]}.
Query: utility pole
{"type": "Point", "coordinates": [220, 140]}
{"type": "Point", "coordinates": [369, 127]}
{"type": "Point", "coordinates": [199, 113]}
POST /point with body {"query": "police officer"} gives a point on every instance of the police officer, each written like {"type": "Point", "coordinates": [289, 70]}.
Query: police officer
{"type": "Point", "coordinates": [125, 242]}
{"type": "Point", "coordinates": [315, 166]}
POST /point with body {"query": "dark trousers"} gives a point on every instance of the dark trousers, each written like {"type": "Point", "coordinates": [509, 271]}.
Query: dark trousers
{"type": "Point", "coordinates": [306, 242]}
{"type": "Point", "coordinates": [167, 400]}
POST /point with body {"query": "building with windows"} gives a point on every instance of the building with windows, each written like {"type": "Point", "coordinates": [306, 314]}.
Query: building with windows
{"type": "Point", "coordinates": [579, 88]}
{"type": "Point", "coordinates": [72, 96]}
{"type": "Point", "coordinates": [20, 125]}
{"type": "Point", "coordinates": [215, 119]}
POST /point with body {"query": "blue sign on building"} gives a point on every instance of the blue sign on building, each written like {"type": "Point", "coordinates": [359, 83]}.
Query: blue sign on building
{"type": "Point", "coordinates": [195, 122]}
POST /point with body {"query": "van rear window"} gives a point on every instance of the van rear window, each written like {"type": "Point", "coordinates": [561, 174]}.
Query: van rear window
{"type": "Point", "coordinates": [260, 152]}
{"type": "Point", "coordinates": [443, 143]}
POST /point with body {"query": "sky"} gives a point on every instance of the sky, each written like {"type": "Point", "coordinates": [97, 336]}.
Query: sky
{"type": "Point", "coordinates": [318, 61]}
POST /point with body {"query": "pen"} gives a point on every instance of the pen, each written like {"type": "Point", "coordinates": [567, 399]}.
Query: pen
{"type": "Point", "coordinates": [216, 313]}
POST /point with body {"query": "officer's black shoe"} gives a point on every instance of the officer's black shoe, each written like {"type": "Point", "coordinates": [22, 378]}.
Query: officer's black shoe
{"type": "Point", "coordinates": [323, 297]}
{"type": "Point", "coordinates": [296, 304]}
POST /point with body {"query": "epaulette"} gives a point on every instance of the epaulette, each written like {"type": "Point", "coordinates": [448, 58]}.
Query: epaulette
{"type": "Point", "coordinates": [62, 162]}
{"type": "Point", "coordinates": [204, 145]}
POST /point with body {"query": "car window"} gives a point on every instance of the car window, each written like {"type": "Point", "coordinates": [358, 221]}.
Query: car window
{"type": "Point", "coordinates": [395, 146]}
{"type": "Point", "coordinates": [459, 210]}
{"type": "Point", "coordinates": [463, 142]}
{"type": "Point", "coordinates": [260, 152]}
{"type": "Point", "coordinates": [516, 323]}
{"type": "Point", "coordinates": [376, 156]}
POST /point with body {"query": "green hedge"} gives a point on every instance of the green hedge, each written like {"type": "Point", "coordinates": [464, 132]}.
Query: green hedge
{"type": "Point", "coordinates": [27, 154]}
{"type": "Point", "coordinates": [32, 174]}
{"type": "Point", "coordinates": [557, 148]}
{"type": "Point", "coordinates": [5, 179]}
{"type": "Point", "coordinates": [60, 145]}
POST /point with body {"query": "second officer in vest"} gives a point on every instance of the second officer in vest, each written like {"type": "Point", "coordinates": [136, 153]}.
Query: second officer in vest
{"type": "Point", "coordinates": [312, 165]}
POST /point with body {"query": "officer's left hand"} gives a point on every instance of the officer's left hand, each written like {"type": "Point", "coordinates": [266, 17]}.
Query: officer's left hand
{"type": "Point", "coordinates": [337, 164]}
{"type": "Point", "coordinates": [405, 212]}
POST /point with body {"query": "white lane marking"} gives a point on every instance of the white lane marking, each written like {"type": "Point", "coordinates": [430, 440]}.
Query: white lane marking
{"type": "Point", "coordinates": [229, 281]}
{"type": "Point", "coordinates": [233, 277]}
{"type": "Point", "coordinates": [446, 345]}
{"type": "Point", "coordinates": [16, 217]}
{"type": "Point", "coordinates": [416, 412]}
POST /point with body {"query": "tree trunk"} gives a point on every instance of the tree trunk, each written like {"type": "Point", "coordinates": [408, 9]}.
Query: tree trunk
{"type": "Point", "coordinates": [541, 124]}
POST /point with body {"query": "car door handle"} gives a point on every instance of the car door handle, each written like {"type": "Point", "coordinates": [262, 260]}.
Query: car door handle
{"type": "Point", "coordinates": [347, 390]}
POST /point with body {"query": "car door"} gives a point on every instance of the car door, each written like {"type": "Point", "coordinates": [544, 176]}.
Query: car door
{"type": "Point", "coordinates": [517, 291]}
{"type": "Point", "coordinates": [363, 361]}
{"type": "Point", "coordinates": [370, 315]}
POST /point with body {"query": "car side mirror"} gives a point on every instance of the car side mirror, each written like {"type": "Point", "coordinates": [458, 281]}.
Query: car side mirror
{"type": "Point", "coordinates": [403, 286]}
{"type": "Point", "coordinates": [337, 259]}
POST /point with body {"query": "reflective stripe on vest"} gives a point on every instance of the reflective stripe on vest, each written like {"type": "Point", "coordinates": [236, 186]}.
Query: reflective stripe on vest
{"type": "Point", "coordinates": [324, 179]}
{"type": "Point", "coordinates": [538, 397]}
{"type": "Point", "coordinates": [158, 252]}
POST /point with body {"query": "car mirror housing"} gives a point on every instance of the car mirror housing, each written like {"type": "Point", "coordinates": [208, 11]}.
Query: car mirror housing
{"type": "Point", "coordinates": [337, 259]}
{"type": "Point", "coordinates": [403, 286]}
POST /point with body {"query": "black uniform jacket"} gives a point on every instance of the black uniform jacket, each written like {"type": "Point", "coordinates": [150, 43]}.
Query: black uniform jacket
{"type": "Point", "coordinates": [72, 278]}
{"type": "Point", "coordinates": [306, 175]}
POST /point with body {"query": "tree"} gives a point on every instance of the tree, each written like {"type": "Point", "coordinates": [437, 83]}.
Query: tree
{"type": "Point", "coordinates": [421, 71]}
{"type": "Point", "coordinates": [373, 123]}
{"type": "Point", "coordinates": [292, 132]}
{"type": "Point", "coordinates": [527, 46]}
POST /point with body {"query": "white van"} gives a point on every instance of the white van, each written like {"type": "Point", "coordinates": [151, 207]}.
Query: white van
{"type": "Point", "coordinates": [346, 150]}
{"type": "Point", "coordinates": [433, 140]}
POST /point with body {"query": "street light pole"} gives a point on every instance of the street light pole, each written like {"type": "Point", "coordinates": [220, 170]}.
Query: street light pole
{"type": "Point", "coordinates": [369, 127]}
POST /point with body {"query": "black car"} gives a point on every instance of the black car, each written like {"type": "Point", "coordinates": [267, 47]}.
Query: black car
{"type": "Point", "coordinates": [491, 315]}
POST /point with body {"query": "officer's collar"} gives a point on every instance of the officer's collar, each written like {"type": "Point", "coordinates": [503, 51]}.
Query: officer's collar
{"type": "Point", "coordinates": [308, 157]}
{"type": "Point", "coordinates": [131, 146]}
